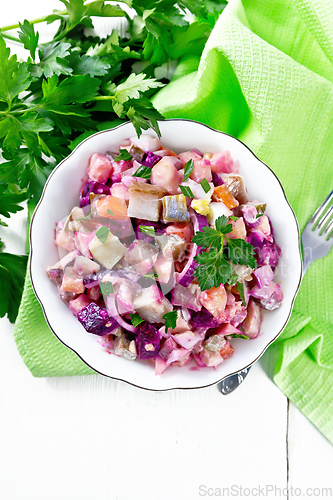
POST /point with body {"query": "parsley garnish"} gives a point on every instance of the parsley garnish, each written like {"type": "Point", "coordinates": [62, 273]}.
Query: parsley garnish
{"type": "Point", "coordinates": [188, 169]}
{"type": "Point", "coordinates": [148, 230]}
{"type": "Point", "coordinates": [233, 218]}
{"type": "Point", "coordinates": [109, 212]}
{"type": "Point", "coordinates": [170, 320]}
{"type": "Point", "coordinates": [143, 172]}
{"type": "Point", "coordinates": [205, 185]}
{"type": "Point", "coordinates": [123, 155]}
{"type": "Point", "coordinates": [214, 268]}
{"type": "Point", "coordinates": [238, 336]}
{"type": "Point", "coordinates": [106, 287]}
{"type": "Point", "coordinates": [102, 234]}
{"type": "Point", "coordinates": [187, 191]}
{"type": "Point", "coordinates": [240, 288]}
{"type": "Point", "coordinates": [258, 215]}
{"type": "Point", "coordinates": [136, 319]}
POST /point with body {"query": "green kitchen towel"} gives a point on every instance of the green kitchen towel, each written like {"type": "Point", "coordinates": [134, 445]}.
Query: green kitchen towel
{"type": "Point", "coordinates": [266, 77]}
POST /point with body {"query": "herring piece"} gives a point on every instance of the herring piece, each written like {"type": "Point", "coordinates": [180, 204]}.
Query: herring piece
{"type": "Point", "coordinates": [123, 347]}
{"type": "Point", "coordinates": [145, 201]}
{"type": "Point", "coordinates": [173, 247]}
{"type": "Point", "coordinates": [175, 209]}
{"type": "Point", "coordinates": [108, 253]}
{"type": "Point", "coordinates": [235, 184]}
{"type": "Point", "coordinates": [152, 305]}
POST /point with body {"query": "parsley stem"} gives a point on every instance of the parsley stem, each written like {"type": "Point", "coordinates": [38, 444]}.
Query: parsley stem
{"type": "Point", "coordinates": [16, 26]}
{"type": "Point", "coordinates": [103, 97]}
{"type": "Point", "coordinates": [10, 37]}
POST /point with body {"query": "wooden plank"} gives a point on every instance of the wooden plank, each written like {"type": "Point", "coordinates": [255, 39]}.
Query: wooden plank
{"type": "Point", "coordinates": [310, 458]}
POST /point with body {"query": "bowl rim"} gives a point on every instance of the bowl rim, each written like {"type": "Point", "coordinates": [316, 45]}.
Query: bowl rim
{"type": "Point", "coordinates": [126, 381]}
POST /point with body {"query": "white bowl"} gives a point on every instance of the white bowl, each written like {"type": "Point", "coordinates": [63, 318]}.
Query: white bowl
{"type": "Point", "coordinates": [61, 194]}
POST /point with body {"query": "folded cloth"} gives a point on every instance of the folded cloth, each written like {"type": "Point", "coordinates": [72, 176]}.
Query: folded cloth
{"type": "Point", "coordinates": [265, 76]}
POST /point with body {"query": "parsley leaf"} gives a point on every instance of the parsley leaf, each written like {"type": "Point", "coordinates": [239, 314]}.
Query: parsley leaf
{"type": "Point", "coordinates": [14, 77]}
{"type": "Point", "coordinates": [102, 234]}
{"type": "Point", "coordinates": [222, 225]}
{"type": "Point", "coordinates": [233, 218]}
{"type": "Point", "coordinates": [110, 212]}
{"type": "Point", "coordinates": [238, 336]}
{"type": "Point", "coordinates": [188, 169]}
{"type": "Point", "coordinates": [12, 274]}
{"type": "Point", "coordinates": [133, 86]}
{"type": "Point", "coordinates": [241, 252]}
{"type": "Point", "coordinates": [240, 288]}
{"type": "Point", "coordinates": [123, 155]}
{"type": "Point", "coordinates": [9, 202]}
{"type": "Point", "coordinates": [52, 57]}
{"type": "Point", "coordinates": [213, 269]}
{"type": "Point", "coordinates": [170, 320]}
{"type": "Point", "coordinates": [148, 230]}
{"type": "Point", "coordinates": [187, 191]}
{"type": "Point", "coordinates": [106, 287]}
{"type": "Point", "coordinates": [213, 237]}
{"type": "Point", "coordinates": [136, 319]}
{"type": "Point", "coordinates": [29, 37]}
{"type": "Point", "coordinates": [143, 172]}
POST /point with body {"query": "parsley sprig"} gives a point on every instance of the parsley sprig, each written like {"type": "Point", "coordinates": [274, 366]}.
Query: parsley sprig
{"type": "Point", "coordinates": [74, 85]}
{"type": "Point", "coordinates": [214, 265]}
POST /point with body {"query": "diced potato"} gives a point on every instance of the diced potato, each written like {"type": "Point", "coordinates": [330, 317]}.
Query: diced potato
{"type": "Point", "coordinates": [108, 253]}
{"type": "Point", "coordinates": [215, 301]}
{"type": "Point", "coordinates": [70, 284]}
{"type": "Point", "coordinates": [145, 201]}
{"type": "Point", "coordinates": [173, 247]}
{"type": "Point", "coordinates": [99, 168]}
{"type": "Point", "coordinates": [152, 305]}
{"type": "Point", "coordinates": [238, 229]}
{"type": "Point", "coordinates": [165, 175]}
{"type": "Point", "coordinates": [216, 210]}
{"type": "Point", "coordinates": [201, 170]}
{"type": "Point", "coordinates": [182, 229]}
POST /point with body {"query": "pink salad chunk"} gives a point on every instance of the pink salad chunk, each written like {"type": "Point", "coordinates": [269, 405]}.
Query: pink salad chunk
{"type": "Point", "coordinates": [165, 259]}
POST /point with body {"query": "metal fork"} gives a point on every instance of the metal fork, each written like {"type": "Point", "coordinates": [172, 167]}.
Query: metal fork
{"type": "Point", "coordinates": [317, 240]}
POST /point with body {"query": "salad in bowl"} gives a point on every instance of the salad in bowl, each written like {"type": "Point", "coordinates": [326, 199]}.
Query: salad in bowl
{"type": "Point", "coordinates": [165, 259]}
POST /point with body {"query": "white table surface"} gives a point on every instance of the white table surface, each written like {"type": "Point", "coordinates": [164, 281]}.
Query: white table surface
{"type": "Point", "coordinates": [87, 438]}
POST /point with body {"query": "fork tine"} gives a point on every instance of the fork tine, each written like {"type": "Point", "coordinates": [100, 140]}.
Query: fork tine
{"type": "Point", "coordinates": [325, 218]}
{"type": "Point", "coordinates": [329, 229]}
{"type": "Point", "coordinates": [318, 213]}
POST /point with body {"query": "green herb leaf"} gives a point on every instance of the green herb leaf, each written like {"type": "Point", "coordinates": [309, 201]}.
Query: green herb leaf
{"type": "Point", "coordinates": [240, 288]}
{"type": "Point", "coordinates": [9, 201]}
{"type": "Point", "coordinates": [233, 279]}
{"type": "Point", "coordinates": [152, 276]}
{"type": "Point", "coordinates": [144, 172]}
{"type": "Point", "coordinates": [258, 215]}
{"type": "Point", "coordinates": [238, 336]}
{"type": "Point", "coordinates": [136, 319]}
{"type": "Point", "coordinates": [12, 275]}
{"type": "Point", "coordinates": [209, 237]}
{"type": "Point", "coordinates": [170, 320]}
{"type": "Point", "coordinates": [187, 191]}
{"type": "Point", "coordinates": [222, 225]}
{"type": "Point", "coordinates": [123, 155]}
{"type": "Point", "coordinates": [14, 77]}
{"type": "Point", "coordinates": [205, 185]}
{"type": "Point", "coordinates": [52, 60]}
{"type": "Point", "coordinates": [188, 169]}
{"type": "Point", "coordinates": [133, 86]}
{"type": "Point", "coordinates": [28, 36]}
{"type": "Point", "coordinates": [241, 252]}
{"type": "Point", "coordinates": [148, 230]}
{"type": "Point", "coordinates": [213, 269]}
{"type": "Point", "coordinates": [106, 288]}
{"type": "Point", "coordinates": [102, 234]}
{"type": "Point", "coordinates": [109, 212]}
{"type": "Point", "coordinates": [233, 218]}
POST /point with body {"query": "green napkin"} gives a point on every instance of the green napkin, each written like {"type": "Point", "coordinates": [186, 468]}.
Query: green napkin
{"type": "Point", "coordinates": [265, 76]}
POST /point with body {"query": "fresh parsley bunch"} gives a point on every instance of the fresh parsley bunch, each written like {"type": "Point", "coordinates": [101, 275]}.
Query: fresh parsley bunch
{"type": "Point", "coordinates": [75, 85]}
{"type": "Point", "coordinates": [214, 265]}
